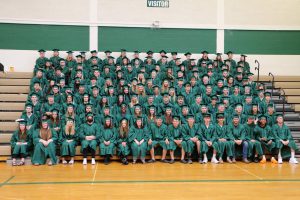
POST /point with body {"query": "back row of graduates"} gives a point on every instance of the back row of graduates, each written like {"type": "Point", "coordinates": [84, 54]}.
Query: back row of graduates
{"type": "Point", "coordinates": [104, 108]}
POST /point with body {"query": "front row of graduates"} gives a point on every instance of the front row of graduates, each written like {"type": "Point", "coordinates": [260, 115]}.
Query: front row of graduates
{"type": "Point", "coordinates": [254, 140]}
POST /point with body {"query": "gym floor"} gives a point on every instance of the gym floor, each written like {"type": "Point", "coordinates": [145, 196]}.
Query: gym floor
{"type": "Point", "coordinates": [150, 181]}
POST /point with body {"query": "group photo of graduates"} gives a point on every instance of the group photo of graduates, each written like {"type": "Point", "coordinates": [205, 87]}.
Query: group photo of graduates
{"type": "Point", "coordinates": [178, 109]}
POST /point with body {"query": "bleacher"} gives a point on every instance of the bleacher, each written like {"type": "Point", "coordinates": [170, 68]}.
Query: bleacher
{"type": "Point", "coordinates": [14, 88]}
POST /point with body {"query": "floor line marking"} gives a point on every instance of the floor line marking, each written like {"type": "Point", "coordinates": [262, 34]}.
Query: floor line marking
{"type": "Point", "coordinates": [95, 172]}
{"type": "Point", "coordinates": [157, 181]}
{"type": "Point", "coordinates": [6, 182]}
{"type": "Point", "coordinates": [248, 172]}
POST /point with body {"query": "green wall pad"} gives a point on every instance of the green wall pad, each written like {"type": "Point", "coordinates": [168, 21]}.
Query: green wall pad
{"type": "Point", "coordinates": [32, 37]}
{"type": "Point", "coordinates": [263, 42]}
{"type": "Point", "coordinates": [144, 39]}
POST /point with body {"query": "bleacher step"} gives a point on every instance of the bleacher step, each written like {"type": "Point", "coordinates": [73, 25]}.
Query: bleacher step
{"type": "Point", "coordinates": [8, 126]}
{"type": "Point", "coordinates": [11, 106]}
{"type": "Point", "coordinates": [5, 138]}
{"type": "Point", "coordinates": [13, 97]}
{"type": "Point", "coordinates": [14, 89]}
{"type": "Point", "coordinates": [14, 82]}
{"type": "Point", "coordinates": [9, 116]}
{"type": "Point", "coordinates": [21, 75]}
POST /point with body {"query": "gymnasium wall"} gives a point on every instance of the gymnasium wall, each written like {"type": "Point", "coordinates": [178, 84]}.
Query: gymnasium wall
{"type": "Point", "coordinates": [264, 30]}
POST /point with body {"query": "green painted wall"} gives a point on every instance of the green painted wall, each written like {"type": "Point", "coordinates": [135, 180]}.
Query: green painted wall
{"type": "Point", "coordinates": [144, 39]}
{"type": "Point", "coordinates": [263, 42]}
{"type": "Point", "coordinates": [32, 37]}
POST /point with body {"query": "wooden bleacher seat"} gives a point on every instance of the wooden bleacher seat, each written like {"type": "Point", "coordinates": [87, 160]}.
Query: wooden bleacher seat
{"type": "Point", "coordinates": [14, 89]}
{"type": "Point", "coordinates": [8, 126]}
{"type": "Point", "coordinates": [287, 85]}
{"type": "Point", "coordinates": [12, 82]}
{"type": "Point", "coordinates": [15, 75]}
{"type": "Point", "coordinates": [279, 78]}
{"type": "Point", "coordinates": [11, 106]}
{"type": "Point", "coordinates": [13, 97]}
{"type": "Point", "coordinates": [12, 116]}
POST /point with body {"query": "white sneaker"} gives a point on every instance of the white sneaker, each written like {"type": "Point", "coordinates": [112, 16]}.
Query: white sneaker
{"type": "Point", "coordinates": [293, 161]}
{"type": "Point", "coordinates": [71, 162]}
{"type": "Point", "coordinates": [279, 160]}
{"type": "Point", "coordinates": [214, 160]}
{"type": "Point", "coordinates": [205, 160]}
{"type": "Point", "coordinates": [64, 162]}
{"type": "Point", "coordinates": [84, 161]}
{"type": "Point", "coordinates": [93, 161]}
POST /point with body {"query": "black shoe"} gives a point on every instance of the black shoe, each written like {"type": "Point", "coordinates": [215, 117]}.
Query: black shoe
{"type": "Point", "coordinates": [124, 161]}
{"type": "Point", "coordinates": [172, 161]}
{"type": "Point", "coordinates": [151, 161]}
{"type": "Point", "coordinates": [164, 161]}
{"type": "Point", "coordinates": [256, 160]}
{"type": "Point", "coordinates": [106, 161]}
{"type": "Point", "coordinates": [183, 161]}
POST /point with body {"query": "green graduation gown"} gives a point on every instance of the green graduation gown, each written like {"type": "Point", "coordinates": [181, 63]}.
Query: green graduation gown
{"type": "Point", "coordinates": [250, 135]}
{"type": "Point", "coordinates": [123, 150]}
{"type": "Point", "coordinates": [284, 133]}
{"type": "Point", "coordinates": [208, 134]}
{"type": "Point", "coordinates": [41, 152]}
{"type": "Point", "coordinates": [188, 133]}
{"type": "Point", "coordinates": [107, 134]}
{"type": "Point", "coordinates": [158, 134]}
{"type": "Point", "coordinates": [265, 132]}
{"type": "Point", "coordinates": [88, 130]}
{"type": "Point", "coordinates": [222, 132]}
{"type": "Point", "coordinates": [20, 149]}
{"type": "Point", "coordinates": [175, 133]}
{"type": "Point", "coordinates": [68, 148]}
{"type": "Point", "coordinates": [138, 134]}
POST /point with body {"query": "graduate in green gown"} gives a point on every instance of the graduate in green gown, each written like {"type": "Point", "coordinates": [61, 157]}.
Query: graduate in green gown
{"type": "Point", "coordinates": [208, 139]}
{"type": "Point", "coordinates": [253, 143]}
{"type": "Point", "coordinates": [284, 140]}
{"type": "Point", "coordinates": [223, 138]}
{"type": "Point", "coordinates": [174, 131]}
{"type": "Point", "coordinates": [89, 133]}
{"type": "Point", "coordinates": [123, 141]}
{"type": "Point", "coordinates": [191, 137]}
{"type": "Point", "coordinates": [107, 139]}
{"type": "Point", "coordinates": [68, 140]}
{"type": "Point", "coordinates": [20, 143]}
{"type": "Point", "coordinates": [265, 135]}
{"type": "Point", "coordinates": [55, 58]}
{"type": "Point", "coordinates": [40, 62]}
{"type": "Point", "coordinates": [44, 140]}
{"type": "Point", "coordinates": [30, 117]}
{"type": "Point", "coordinates": [158, 137]}
{"type": "Point", "coordinates": [237, 132]}
{"type": "Point", "coordinates": [138, 139]}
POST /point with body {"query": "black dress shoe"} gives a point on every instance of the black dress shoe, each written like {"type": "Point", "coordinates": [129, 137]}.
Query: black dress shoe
{"type": "Point", "coordinates": [183, 161]}
{"type": "Point", "coordinates": [151, 161]}
{"type": "Point", "coordinates": [164, 161]}
{"type": "Point", "coordinates": [256, 160]}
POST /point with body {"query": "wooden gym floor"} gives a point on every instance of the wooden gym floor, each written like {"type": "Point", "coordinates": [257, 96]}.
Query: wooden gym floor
{"type": "Point", "coordinates": [151, 181]}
